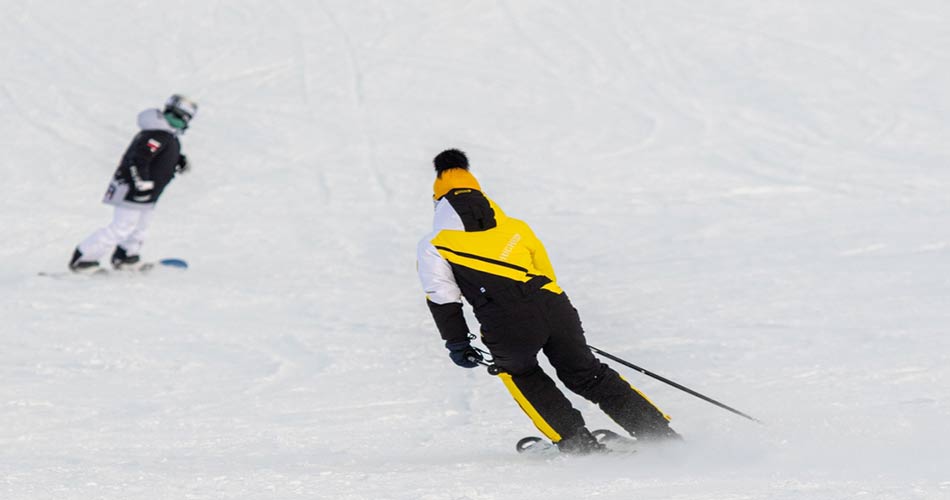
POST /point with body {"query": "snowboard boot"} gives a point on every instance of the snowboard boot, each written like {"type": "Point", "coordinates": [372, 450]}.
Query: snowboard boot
{"type": "Point", "coordinates": [81, 266]}
{"type": "Point", "coordinates": [121, 260]}
{"type": "Point", "coordinates": [581, 443]}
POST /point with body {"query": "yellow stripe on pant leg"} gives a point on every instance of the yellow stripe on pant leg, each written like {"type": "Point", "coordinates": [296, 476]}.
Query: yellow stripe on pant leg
{"type": "Point", "coordinates": [644, 396]}
{"type": "Point", "coordinates": [529, 409]}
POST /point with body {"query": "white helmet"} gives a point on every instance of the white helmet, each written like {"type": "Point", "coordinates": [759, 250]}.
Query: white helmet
{"type": "Point", "coordinates": [179, 110]}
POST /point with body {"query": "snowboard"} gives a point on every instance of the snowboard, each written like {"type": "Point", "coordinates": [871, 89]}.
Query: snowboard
{"type": "Point", "coordinates": [614, 442]}
{"type": "Point", "coordinates": [144, 268]}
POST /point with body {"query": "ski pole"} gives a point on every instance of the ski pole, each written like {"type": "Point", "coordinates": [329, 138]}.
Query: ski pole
{"type": "Point", "coordinates": [674, 384]}
{"type": "Point", "coordinates": [492, 369]}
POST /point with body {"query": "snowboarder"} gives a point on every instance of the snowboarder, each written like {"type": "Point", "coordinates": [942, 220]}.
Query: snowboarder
{"type": "Point", "coordinates": [503, 271]}
{"type": "Point", "coordinates": [149, 164]}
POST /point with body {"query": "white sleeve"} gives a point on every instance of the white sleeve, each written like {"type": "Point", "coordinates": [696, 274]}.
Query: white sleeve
{"type": "Point", "coordinates": [436, 276]}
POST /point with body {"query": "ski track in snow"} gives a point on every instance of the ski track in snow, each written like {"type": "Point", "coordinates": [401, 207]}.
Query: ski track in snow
{"type": "Point", "coordinates": [748, 198]}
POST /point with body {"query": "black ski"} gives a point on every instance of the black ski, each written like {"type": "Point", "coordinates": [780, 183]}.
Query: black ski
{"type": "Point", "coordinates": [617, 443]}
{"type": "Point", "coordinates": [614, 442]}
{"type": "Point", "coordinates": [534, 445]}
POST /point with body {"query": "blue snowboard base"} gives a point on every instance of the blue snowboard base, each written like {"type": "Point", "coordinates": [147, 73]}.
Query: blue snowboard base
{"type": "Point", "coordinates": [179, 263]}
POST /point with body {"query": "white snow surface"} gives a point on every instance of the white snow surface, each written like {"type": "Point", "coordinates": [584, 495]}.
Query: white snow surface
{"type": "Point", "coordinates": [748, 197]}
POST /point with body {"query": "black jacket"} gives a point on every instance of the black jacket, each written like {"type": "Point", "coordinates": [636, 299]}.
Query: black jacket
{"type": "Point", "coordinates": [153, 156]}
{"type": "Point", "coordinates": [148, 165]}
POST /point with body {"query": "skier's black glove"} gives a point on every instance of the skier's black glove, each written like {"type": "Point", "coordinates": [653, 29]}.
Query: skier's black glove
{"type": "Point", "coordinates": [182, 166]}
{"type": "Point", "coordinates": [460, 352]}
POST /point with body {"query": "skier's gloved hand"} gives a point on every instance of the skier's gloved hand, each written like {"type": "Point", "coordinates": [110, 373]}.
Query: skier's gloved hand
{"type": "Point", "coordinates": [144, 186]}
{"type": "Point", "coordinates": [138, 182]}
{"type": "Point", "coordinates": [182, 166]}
{"type": "Point", "coordinates": [460, 352]}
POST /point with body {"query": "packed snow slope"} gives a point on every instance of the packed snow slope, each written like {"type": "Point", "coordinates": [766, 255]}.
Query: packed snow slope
{"type": "Point", "coordinates": [748, 197]}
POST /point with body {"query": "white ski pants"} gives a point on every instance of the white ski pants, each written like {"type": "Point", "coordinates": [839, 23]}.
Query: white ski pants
{"type": "Point", "coordinates": [128, 229]}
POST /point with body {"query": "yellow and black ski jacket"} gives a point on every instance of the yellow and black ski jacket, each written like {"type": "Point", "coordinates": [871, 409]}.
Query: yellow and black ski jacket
{"type": "Point", "coordinates": [477, 252]}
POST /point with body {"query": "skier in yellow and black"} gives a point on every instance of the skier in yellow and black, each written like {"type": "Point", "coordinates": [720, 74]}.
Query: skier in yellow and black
{"type": "Point", "coordinates": [501, 268]}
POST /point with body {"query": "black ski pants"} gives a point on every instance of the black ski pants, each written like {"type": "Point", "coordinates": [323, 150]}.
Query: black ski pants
{"type": "Point", "coordinates": [518, 325]}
